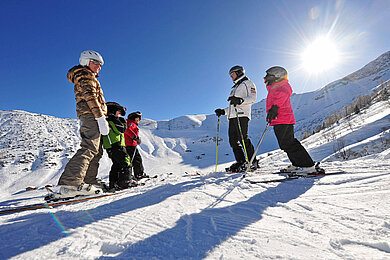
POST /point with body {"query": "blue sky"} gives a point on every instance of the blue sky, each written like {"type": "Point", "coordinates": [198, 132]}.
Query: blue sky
{"type": "Point", "coordinates": [171, 58]}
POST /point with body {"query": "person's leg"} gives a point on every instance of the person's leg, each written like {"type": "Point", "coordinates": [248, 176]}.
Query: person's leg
{"type": "Point", "coordinates": [294, 149]}
{"type": "Point", "coordinates": [77, 167]}
{"type": "Point", "coordinates": [92, 171]}
{"type": "Point", "coordinates": [124, 166]}
{"type": "Point", "coordinates": [244, 121]}
{"type": "Point", "coordinates": [235, 141]}
{"type": "Point", "coordinates": [114, 171]}
{"type": "Point", "coordinates": [138, 168]}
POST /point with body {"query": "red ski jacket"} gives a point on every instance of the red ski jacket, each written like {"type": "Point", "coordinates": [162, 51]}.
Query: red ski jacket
{"type": "Point", "coordinates": [131, 131]}
{"type": "Point", "coordinates": [279, 94]}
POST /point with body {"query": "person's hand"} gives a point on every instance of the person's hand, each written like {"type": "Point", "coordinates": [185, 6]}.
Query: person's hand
{"type": "Point", "coordinates": [137, 139]}
{"type": "Point", "coordinates": [235, 100]}
{"type": "Point", "coordinates": [104, 129]}
{"type": "Point", "coordinates": [219, 112]}
{"type": "Point", "coordinates": [272, 113]}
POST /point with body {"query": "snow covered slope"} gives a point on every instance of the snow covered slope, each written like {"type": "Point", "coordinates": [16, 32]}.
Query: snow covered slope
{"type": "Point", "coordinates": [212, 215]}
{"type": "Point", "coordinates": [221, 216]}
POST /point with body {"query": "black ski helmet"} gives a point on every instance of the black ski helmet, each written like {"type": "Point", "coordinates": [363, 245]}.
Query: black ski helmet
{"type": "Point", "coordinates": [275, 74]}
{"type": "Point", "coordinates": [112, 107]}
{"type": "Point", "coordinates": [134, 115]}
{"type": "Point", "coordinates": [239, 70]}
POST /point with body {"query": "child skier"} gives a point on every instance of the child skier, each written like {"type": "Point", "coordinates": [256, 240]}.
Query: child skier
{"type": "Point", "coordinates": [132, 139]}
{"type": "Point", "coordinates": [114, 143]}
{"type": "Point", "coordinates": [280, 115]}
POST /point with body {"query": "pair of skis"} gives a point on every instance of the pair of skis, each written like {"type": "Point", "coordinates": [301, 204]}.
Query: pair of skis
{"type": "Point", "coordinates": [65, 201]}
{"type": "Point", "coordinates": [290, 176]}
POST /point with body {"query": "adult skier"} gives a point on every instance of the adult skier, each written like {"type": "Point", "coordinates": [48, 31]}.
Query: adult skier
{"type": "Point", "coordinates": [79, 176]}
{"type": "Point", "coordinates": [242, 96]}
{"type": "Point", "coordinates": [280, 115]}
{"type": "Point", "coordinates": [132, 139]}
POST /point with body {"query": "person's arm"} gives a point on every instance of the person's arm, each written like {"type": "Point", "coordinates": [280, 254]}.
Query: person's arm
{"type": "Point", "coordinates": [246, 92]}
{"type": "Point", "coordinates": [90, 95]}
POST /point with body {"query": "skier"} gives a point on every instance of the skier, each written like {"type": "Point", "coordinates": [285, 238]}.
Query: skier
{"type": "Point", "coordinates": [79, 176]}
{"type": "Point", "coordinates": [132, 139]}
{"type": "Point", "coordinates": [242, 95]}
{"type": "Point", "coordinates": [280, 115]}
{"type": "Point", "coordinates": [114, 143]}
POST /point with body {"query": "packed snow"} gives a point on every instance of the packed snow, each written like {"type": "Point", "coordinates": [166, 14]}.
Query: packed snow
{"type": "Point", "coordinates": [192, 212]}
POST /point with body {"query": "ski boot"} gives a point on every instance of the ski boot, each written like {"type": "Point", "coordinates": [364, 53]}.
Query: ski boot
{"type": "Point", "coordinates": [305, 171]}
{"type": "Point", "coordinates": [127, 184]}
{"type": "Point", "coordinates": [236, 167]}
{"type": "Point", "coordinates": [289, 169]}
{"type": "Point", "coordinates": [254, 166]}
{"type": "Point", "coordinates": [70, 192]}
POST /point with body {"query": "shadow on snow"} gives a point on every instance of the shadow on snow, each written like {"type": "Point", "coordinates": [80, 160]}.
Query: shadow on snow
{"type": "Point", "coordinates": [193, 236]}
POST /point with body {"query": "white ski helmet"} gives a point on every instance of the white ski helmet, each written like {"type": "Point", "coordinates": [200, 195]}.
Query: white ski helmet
{"type": "Point", "coordinates": [86, 56]}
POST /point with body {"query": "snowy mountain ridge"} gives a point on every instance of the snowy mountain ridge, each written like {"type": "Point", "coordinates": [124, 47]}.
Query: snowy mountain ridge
{"type": "Point", "coordinates": [310, 108]}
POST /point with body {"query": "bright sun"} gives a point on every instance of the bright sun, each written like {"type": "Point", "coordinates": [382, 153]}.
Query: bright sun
{"type": "Point", "coordinates": [320, 55]}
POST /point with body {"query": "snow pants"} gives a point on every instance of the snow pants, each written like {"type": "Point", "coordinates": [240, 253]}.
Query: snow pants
{"type": "Point", "coordinates": [135, 156]}
{"type": "Point", "coordinates": [120, 172]}
{"type": "Point", "coordinates": [83, 166]}
{"type": "Point", "coordinates": [295, 151]}
{"type": "Point", "coordinates": [235, 139]}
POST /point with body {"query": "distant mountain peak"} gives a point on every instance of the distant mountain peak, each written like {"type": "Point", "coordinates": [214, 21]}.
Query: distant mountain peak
{"type": "Point", "coordinates": [376, 67]}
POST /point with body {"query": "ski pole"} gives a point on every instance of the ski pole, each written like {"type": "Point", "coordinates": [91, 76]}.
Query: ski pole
{"type": "Point", "coordinates": [242, 136]}
{"type": "Point", "coordinates": [132, 158]}
{"type": "Point", "coordinates": [257, 147]}
{"type": "Point", "coordinates": [216, 155]}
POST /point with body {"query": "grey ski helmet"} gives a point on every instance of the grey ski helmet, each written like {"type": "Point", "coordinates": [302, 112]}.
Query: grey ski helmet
{"type": "Point", "coordinates": [275, 74]}
{"type": "Point", "coordinates": [239, 70]}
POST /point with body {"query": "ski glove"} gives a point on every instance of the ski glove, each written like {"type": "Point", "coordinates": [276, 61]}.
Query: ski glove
{"type": "Point", "coordinates": [219, 112]}
{"type": "Point", "coordinates": [272, 113]}
{"type": "Point", "coordinates": [235, 100]}
{"type": "Point", "coordinates": [103, 125]}
{"type": "Point", "coordinates": [137, 139]}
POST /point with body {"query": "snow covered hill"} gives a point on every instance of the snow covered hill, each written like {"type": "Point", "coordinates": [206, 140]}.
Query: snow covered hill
{"type": "Point", "coordinates": [212, 215]}
{"type": "Point", "coordinates": [221, 216]}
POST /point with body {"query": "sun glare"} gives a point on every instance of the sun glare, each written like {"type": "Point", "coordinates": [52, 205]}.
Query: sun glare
{"type": "Point", "coordinates": [320, 55]}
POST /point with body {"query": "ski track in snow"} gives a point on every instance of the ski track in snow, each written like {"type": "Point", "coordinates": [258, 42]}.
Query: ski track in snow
{"type": "Point", "coordinates": [215, 217]}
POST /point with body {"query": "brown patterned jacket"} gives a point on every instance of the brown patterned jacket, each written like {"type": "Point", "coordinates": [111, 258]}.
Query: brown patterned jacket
{"type": "Point", "coordinates": [89, 94]}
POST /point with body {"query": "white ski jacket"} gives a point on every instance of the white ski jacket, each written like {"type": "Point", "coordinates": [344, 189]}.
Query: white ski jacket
{"type": "Point", "coordinates": [245, 89]}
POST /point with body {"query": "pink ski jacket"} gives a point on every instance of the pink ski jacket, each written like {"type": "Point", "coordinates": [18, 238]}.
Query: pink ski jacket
{"type": "Point", "coordinates": [279, 94]}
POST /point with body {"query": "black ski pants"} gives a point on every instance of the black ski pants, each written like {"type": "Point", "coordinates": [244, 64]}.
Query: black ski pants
{"type": "Point", "coordinates": [235, 139]}
{"type": "Point", "coordinates": [138, 168]}
{"type": "Point", "coordinates": [120, 172]}
{"type": "Point", "coordinates": [295, 151]}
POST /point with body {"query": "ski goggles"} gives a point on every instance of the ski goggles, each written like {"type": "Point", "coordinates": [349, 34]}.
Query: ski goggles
{"type": "Point", "coordinates": [96, 62]}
